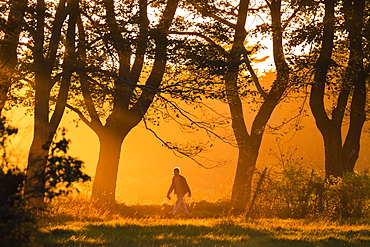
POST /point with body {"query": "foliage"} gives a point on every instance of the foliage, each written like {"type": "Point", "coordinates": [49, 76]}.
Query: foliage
{"type": "Point", "coordinates": [62, 170]}
{"type": "Point", "coordinates": [290, 192]}
{"type": "Point", "coordinates": [5, 132]}
{"type": "Point", "coordinates": [17, 223]}
{"type": "Point", "coordinates": [348, 196]}
{"type": "Point", "coordinates": [293, 191]}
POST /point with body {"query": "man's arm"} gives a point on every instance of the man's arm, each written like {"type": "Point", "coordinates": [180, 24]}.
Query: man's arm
{"type": "Point", "coordinates": [172, 187]}
{"type": "Point", "coordinates": [186, 187]}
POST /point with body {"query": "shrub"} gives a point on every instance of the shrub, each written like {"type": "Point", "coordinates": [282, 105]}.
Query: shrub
{"type": "Point", "coordinates": [348, 196]}
{"type": "Point", "coordinates": [62, 170]}
{"type": "Point", "coordinates": [17, 223]}
{"type": "Point", "coordinates": [290, 191]}
{"type": "Point", "coordinates": [295, 192]}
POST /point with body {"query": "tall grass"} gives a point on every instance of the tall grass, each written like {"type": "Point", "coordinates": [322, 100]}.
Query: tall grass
{"type": "Point", "coordinates": [78, 222]}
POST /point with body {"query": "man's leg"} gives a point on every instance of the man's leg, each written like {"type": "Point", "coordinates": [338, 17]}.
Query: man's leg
{"type": "Point", "coordinates": [180, 200]}
{"type": "Point", "coordinates": [183, 206]}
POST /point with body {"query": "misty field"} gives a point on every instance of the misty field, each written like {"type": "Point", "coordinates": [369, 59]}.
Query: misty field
{"type": "Point", "coordinates": [79, 224]}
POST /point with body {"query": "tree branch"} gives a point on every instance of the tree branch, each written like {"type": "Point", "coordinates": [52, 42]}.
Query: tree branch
{"type": "Point", "coordinates": [222, 20]}
{"type": "Point", "coordinates": [176, 150]}
{"type": "Point", "coordinates": [82, 72]}
{"type": "Point", "coordinates": [205, 12]}
{"type": "Point", "coordinates": [81, 115]}
{"type": "Point", "coordinates": [209, 40]}
{"type": "Point", "coordinates": [253, 74]}
{"type": "Point", "coordinates": [186, 114]}
{"type": "Point", "coordinates": [291, 17]}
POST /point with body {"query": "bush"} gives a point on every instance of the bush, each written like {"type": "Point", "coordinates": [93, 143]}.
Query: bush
{"type": "Point", "coordinates": [295, 192]}
{"type": "Point", "coordinates": [289, 192]}
{"type": "Point", "coordinates": [17, 223]}
{"type": "Point", "coordinates": [62, 170]}
{"type": "Point", "coordinates": [348, 196]}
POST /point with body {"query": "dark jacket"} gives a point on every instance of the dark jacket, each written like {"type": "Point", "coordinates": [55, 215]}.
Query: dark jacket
{"type": "Point", "coordinates": [184, 185]}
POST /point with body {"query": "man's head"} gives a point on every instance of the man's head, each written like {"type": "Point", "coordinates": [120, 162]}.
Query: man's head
{"type": "Point", "coordinates": [176, 171]}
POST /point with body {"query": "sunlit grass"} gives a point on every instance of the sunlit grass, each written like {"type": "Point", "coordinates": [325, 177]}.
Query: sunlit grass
{"type": "Point", "coordinates": [80, 223]}
{"type": "Point", "coordinates": [208, 232]}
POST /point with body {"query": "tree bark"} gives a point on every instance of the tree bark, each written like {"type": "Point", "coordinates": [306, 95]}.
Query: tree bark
{"type": "Point", "coordinates": [242, 187]}
{"type": "Point", "coordinates": [356, 74]}
{"type": "Point", "coordinates": [246, 164]}
{"type": "Point", "coordinates": [37, 158]}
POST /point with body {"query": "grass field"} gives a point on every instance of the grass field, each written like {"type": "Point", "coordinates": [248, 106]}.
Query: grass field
{"type": "Point", "coordinates": [79, 225]}
{"type": "Point", "coordinates": [206, 232]}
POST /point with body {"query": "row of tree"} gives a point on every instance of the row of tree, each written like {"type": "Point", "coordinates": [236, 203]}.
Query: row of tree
{"type": "Point", "coordinates": [113, 61]}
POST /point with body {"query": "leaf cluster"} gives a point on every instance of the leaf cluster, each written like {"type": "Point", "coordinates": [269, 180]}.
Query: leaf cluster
{"type": "Point", "coordinates": [62, 170]}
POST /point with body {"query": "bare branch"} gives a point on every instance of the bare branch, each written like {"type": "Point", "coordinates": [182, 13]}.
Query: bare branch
{"type": "Point", "coordinates": [176, 150]}
{"type": "Point", "coordinates": [222, 20]}
{"type": "Point", "coordinates": [268, 4]}
{"type": "Point", "coordinates": [187, 115]}
{"type": "Point", "coordinates": [80, 114]}
{"type": "Point", "coordinates": [205, 12]}
{"type": "Point", "coordinates": [253, 74]}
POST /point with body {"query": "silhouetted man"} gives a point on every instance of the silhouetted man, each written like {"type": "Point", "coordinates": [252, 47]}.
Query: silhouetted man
{"type": "Point", "coordinates": [181, 188]}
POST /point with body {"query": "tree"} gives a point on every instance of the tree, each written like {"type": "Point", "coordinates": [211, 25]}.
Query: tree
{"type": "Point", "coordinates": [232, 61]}
{"type": "Point", "coordinates": [132, 43]}
{"type": "Point", "coordinates": [47, 70]}
{"type": "Point", "coordinates": [249, 143]}
{"type": "Point", "coordinates": [11, 28]}
{"type": "Point", "coordinates": [347, 75]}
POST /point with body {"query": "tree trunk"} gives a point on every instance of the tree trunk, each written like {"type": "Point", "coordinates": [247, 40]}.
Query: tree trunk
{"type": "Point", "coordinates": [105, 180]}
{"type": "Point", "coordinates": [37, 158]}
{"type": "Point", "coordinates": [333, 150]}
{"type": "Point", "coordinates": [357, 75]}
{"type": "Point", "coordinates": [126, 113]}
{"type": "Point", "coordinates": [245, 166]}
{"type": "Point", "coordinates": [242, 187]}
